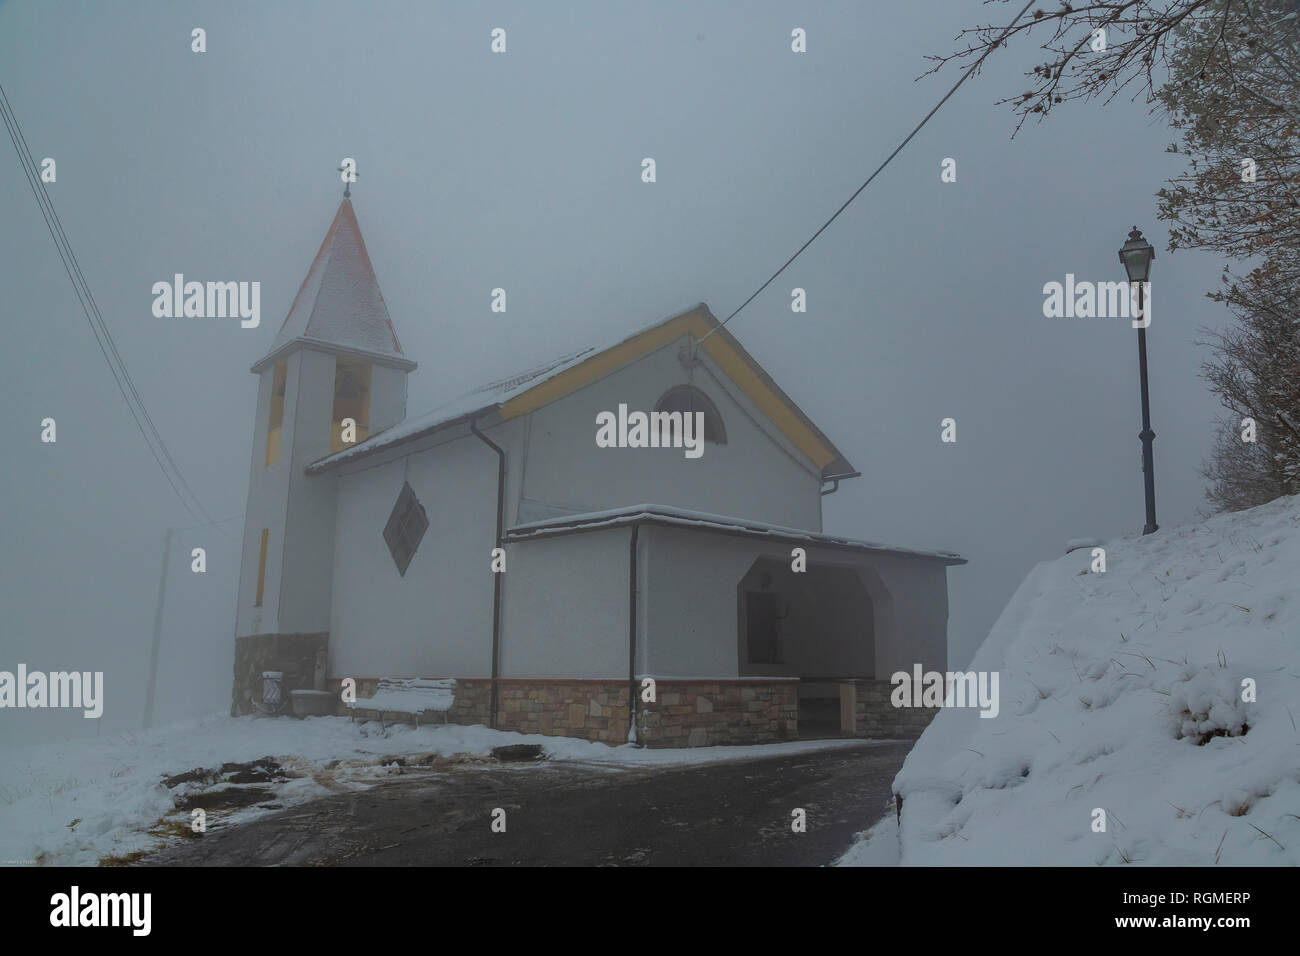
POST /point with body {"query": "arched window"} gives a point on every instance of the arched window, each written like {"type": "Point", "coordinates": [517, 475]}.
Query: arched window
{"type": "Point", "coordinates": [688, 399]}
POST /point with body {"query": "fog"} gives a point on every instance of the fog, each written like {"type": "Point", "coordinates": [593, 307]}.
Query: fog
{"type": "Point", "coordinates": [523, 171]}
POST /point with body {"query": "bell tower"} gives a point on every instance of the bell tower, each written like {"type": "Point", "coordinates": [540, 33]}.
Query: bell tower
{"type": "Point", "coordinates": [334, 375]}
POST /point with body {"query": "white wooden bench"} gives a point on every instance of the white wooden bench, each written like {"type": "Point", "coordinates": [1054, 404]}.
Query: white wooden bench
{"type": "Point", "coordinates": [414, 697]}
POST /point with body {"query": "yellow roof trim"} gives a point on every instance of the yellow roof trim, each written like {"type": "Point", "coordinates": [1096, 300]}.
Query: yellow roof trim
{"type": "Point", "coordinates": [741, 371]}
{"type": "Point", "coordinates": [740, 368]}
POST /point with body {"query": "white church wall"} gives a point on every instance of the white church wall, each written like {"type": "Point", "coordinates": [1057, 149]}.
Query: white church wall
{"type": "Point", "coordinates": [308, 538]}
{"type": "Point", "coordinates": [387, 396]}
{"type": "Point", "coordinates": [689, 625]}
{"type": "Point", "coordinates": [754, 475]}
{"type": "Point", "coordinates": [436, 621]}
{"type": "Point", "coordinates": [268, 490]}
{"type": "Point", "coordinates": [565, 607]}
{"type": "Point", "coordinates": [919, 590]}
{"type": "Point", "coordinates": [298, 511]}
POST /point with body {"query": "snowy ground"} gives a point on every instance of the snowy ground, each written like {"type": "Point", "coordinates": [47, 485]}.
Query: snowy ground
{"type": "Point", "coordinates": [1123, 692]}
{"type": "Point", "coordinates": [75, 803]}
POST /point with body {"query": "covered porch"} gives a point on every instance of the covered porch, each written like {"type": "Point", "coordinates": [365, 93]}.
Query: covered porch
{"type": "Point", "coordinates": [753, 632]}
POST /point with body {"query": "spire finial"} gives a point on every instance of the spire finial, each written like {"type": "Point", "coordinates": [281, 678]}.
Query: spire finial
{"type": "Point", "coordinates": [350, 175]}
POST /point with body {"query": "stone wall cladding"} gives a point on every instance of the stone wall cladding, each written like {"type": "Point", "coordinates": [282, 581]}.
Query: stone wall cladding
{"type": "Point", "coordinates": [686, 713]}
{"type": "Point", "coordinates": [875, 715]}
{"type": "Point", "coordinates": [471, 703]}
{"type": "Point", "coordinates": [293, 654]}
{"type": "Point", "coordinates": [711, 713]}
{"type": "Point", "coordinates": [588, 709]}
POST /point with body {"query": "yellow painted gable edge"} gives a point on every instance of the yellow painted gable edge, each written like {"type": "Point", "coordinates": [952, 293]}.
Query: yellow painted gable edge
{"type": "Point", "coordinates": [738, 367]}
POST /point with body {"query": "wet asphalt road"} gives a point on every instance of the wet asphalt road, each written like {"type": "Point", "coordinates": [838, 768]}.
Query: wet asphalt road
{"type": "Point", "coordinates": [736, 813]}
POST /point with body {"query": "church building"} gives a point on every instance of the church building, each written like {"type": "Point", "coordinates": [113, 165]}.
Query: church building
{"type": "Point", "coordinates": [624, 544]}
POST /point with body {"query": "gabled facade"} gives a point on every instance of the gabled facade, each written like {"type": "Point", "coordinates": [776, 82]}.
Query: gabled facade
{"type": "Point", "coordinates": [621, 563]}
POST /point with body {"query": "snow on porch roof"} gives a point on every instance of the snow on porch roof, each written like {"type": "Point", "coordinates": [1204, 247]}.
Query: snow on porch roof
{"type": "Point", "coordinates": [702, 521]}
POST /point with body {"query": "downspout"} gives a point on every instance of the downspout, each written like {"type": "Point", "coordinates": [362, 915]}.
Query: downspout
{"type": "Point", "coordinates": [837, 479]}
{"type": "Point", "coordinates": [496, 576]}
{"type": "Point", "coordinates": [631, 636]}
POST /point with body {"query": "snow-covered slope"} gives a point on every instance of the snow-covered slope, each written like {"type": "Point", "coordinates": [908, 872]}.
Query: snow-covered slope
{"type": "Point", "coordinates": [1123, 691]}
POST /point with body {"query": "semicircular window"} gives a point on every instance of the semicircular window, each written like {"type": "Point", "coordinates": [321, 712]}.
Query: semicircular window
{"type": "Point", "coordinates": [687, 399]}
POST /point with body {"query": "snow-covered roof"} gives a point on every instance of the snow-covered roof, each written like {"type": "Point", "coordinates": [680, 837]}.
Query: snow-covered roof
{"type": "Point", "coordinates": [339, 304]}
{"type": "Point", "coordinates": [700, 520]}
{"type": "Point", "coordinates": [475, 404]}
{"type": "Point", "coordinates": [479, 403]}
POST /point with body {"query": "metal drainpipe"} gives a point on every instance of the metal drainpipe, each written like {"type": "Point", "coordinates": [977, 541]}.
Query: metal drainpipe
{"type": "Point", "coordinates": [496, 576]}
{"type": "Point", "coordinates": [631, 633]}
{"type": "Point", "coordinates": [837, 479]}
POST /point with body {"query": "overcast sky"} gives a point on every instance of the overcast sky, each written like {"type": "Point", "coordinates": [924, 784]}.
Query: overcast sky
{"type": "Point", "coordinates": [522, 170]}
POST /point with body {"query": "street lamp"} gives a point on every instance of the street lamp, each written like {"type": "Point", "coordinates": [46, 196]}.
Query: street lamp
{"type": "Point", "coordinates": [1136, 256]}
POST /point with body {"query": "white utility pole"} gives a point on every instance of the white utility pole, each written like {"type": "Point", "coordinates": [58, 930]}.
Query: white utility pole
{"type": "Point", "coordinates": [157, 632]}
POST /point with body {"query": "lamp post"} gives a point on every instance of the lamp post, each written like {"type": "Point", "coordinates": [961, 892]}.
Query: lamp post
{"type": "Point", "coordinates": [1136, 256]}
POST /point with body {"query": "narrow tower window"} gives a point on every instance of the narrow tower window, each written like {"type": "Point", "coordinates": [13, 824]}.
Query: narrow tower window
{"type": "Point", "coordinates": [261, 568]}
{"type": "Point", "coordinates": [351, 400]}
{"type": "Point", "coordinates": [276, 418]}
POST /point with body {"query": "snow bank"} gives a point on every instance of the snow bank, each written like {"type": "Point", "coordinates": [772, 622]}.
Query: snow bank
{"type": "Point", "coordinates": [879, 846]}
{"type": "Point", "coordinates": [1123, 691]}
{"type": "Point", "coordinates": [76, 802]}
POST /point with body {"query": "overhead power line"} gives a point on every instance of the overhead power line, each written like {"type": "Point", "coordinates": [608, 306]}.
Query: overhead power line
{"type": "Point", "coordinates": [207, 525]}
{"type": "Point", "coordinates": [879, 169]}
{"type": "Point", "coordinates": [130, 394]}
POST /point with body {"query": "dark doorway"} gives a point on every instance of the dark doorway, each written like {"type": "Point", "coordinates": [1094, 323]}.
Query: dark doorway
{"type": "Point", "coordinates": [819, 709]}
{"type": "Point", "coordinates": [763, 624]}
{"type": "Point", "coordinates": [816, 624]}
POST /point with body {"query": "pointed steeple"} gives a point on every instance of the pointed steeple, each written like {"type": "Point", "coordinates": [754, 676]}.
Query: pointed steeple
{"type": "Point", "coordinates": [339, 305]}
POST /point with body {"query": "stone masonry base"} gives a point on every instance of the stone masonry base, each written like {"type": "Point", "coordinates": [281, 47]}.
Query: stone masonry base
{"type": "Point", "coordinates": [471, 704]}
{"type": "Point", "coordinates": [292, 654]}
{"type": "Point", "coordinates": [874, 714]}
{"type": "Point", "coordinates": [590, 709]}
{"type": "Point", "coordinates": [709, 713]}
{"type": "Point", "coordinates": [685, 713]}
